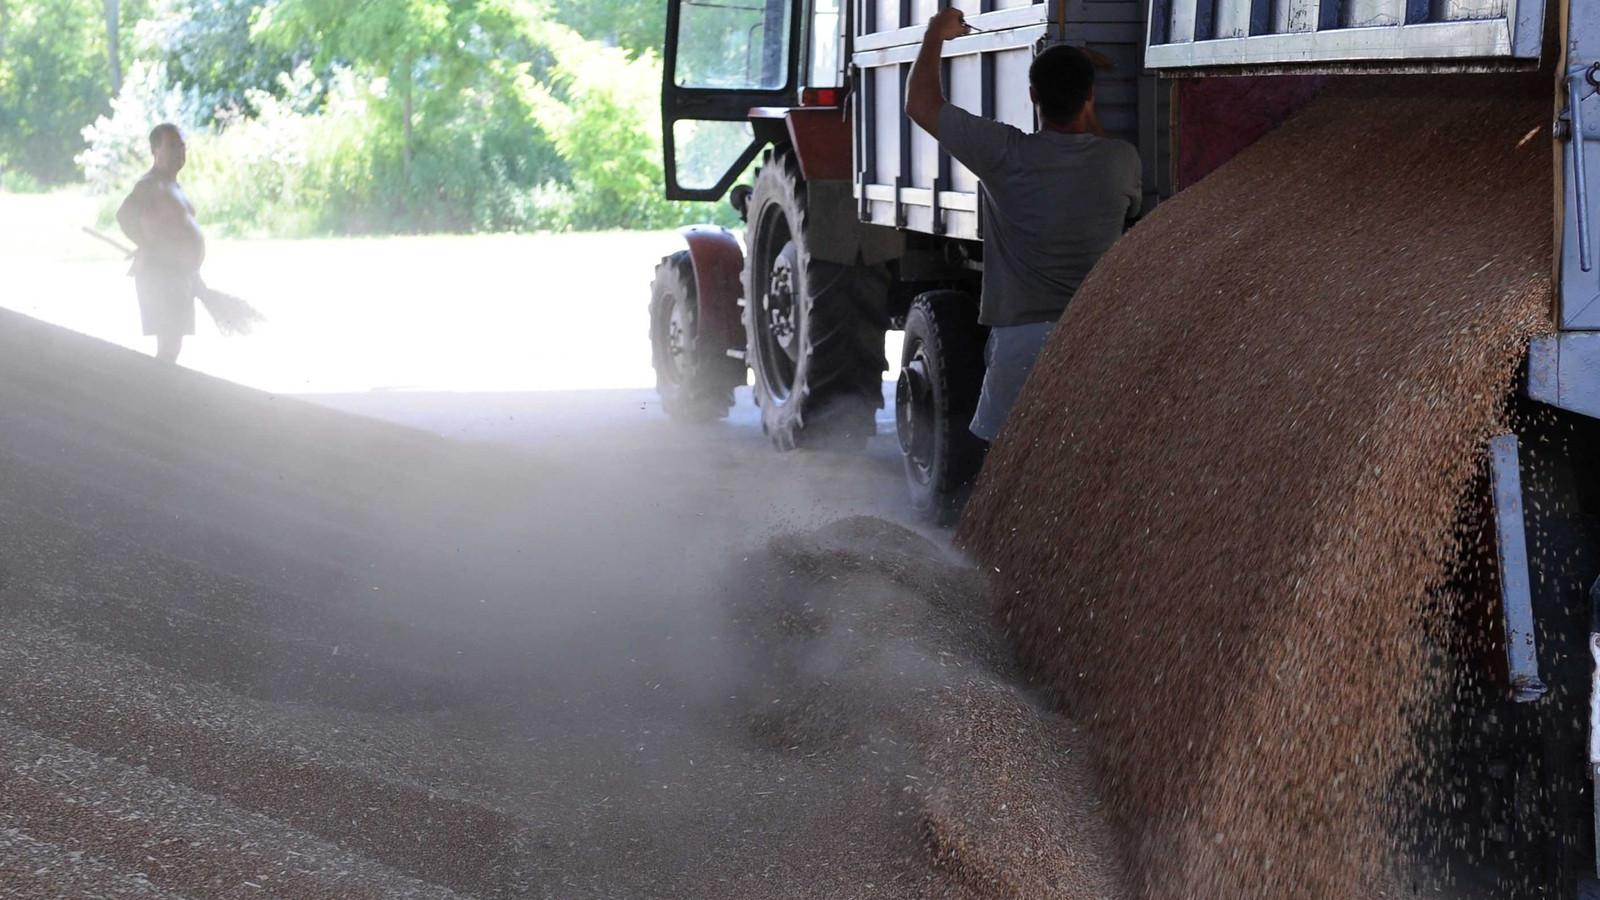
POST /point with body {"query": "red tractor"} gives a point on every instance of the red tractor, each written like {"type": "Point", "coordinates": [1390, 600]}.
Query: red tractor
{"type": "Point", "coordinates": [856, 222]}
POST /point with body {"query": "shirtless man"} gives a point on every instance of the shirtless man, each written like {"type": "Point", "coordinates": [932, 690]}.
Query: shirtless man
{"type": "Point", "coordinates": [160, 221]}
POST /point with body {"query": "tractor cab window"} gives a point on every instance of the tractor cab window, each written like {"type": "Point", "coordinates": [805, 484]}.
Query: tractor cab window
{"type": "Point", "coordinates": [827, 32]}
{"type": "Point", "coordinates": [706, 150]}
{"type": "Point", "coordinates": [723, 59]}
{"type": "Point", "coordinates": [740, 45]}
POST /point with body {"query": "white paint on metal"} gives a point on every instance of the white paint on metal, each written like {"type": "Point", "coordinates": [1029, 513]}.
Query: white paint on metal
{"type": "Point", "coordinates": [1511, 552]}
{"type": "Point", "coordinates": [1428, 41]}
{"type": "Point", "coordinates": [1371, 13]}
{"type": "Point", "coordinates": [1294, 16]}
{"type": "Point", "coordinates": [1564, 371]}
{"type": "Point", "coordinates": [1001, 20]}
{"type": "Point", "coordinates": [1467, 10]}
{"type": "Point", "coordinates": [1356, 31]}
{"type": "Point", "coordinates": [986, 42]}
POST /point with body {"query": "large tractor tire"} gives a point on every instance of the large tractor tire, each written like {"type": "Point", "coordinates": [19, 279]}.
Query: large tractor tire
{"type": "Point", "coordinates": [695, 382]}
{"type": "Point", "coordinates": [941, 374]}
{"type": "Point", "coordinates": [814, 329]}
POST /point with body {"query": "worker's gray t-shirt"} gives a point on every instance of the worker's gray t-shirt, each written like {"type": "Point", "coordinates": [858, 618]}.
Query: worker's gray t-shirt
{"type": "Point", "coordinates": [1055, 203]}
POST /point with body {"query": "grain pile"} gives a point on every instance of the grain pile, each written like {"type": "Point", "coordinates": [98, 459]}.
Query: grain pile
{"type": "Point", "coordinates": [1220, 507]}
{"type": "Point", "coordinates": [252, 648]}
{"type": "Point", "coordinates": [874, 659]}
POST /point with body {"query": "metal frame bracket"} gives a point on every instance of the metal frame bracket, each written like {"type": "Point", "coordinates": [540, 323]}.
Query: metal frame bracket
{"type": "Point", "coordinates": [1511, 552]}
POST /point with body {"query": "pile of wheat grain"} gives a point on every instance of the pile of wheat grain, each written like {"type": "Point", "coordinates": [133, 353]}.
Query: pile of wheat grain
{"type": "Point", "coordinates": [1222, 502]}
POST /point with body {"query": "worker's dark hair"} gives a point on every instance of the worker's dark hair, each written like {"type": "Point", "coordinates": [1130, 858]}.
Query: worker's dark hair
{"type": "Point", "coordinates": [160, 133]}
{"type": "Point", "coordinates": [1062, 78]}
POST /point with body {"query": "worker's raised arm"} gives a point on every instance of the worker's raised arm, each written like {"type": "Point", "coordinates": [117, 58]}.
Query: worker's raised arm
{"type": "Point", "coordinates": [925, 88]}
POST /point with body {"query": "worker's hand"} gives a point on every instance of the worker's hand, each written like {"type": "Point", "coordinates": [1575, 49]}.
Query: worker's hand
{"type": "Point", "coordinates": [947, 24]}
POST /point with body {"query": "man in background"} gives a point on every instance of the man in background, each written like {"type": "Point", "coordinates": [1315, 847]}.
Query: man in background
{"type": "Point", "coordinates": [1055, 200]}
{"type": "Point", "coordinates": [160, 221]}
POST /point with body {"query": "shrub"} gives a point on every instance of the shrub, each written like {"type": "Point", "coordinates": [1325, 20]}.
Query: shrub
{"type": "Point", "coordinates": [119, 143]}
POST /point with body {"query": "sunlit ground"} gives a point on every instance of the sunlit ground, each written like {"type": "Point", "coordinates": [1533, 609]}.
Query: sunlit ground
{"type": "Point", "coordinates": [502, 313]}
{"type": "Point", "coordinates": [509, 313]}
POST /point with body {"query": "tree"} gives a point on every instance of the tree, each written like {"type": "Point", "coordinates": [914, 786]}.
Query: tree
{"type": "Point", "coordinates": [208, 46]}
{"type": "Point", "coordinates": [601, 109]}
{"type": "Point", "coordinates": [59, 61]}
{"type": "Point", "coordinates": [420, 46]}
{"type": "Point", "coordinates": [114, 44]}
{"type": "Point", "coordinates": [636, 26]}
{"type": "Point", "coordinates": [52, 83]}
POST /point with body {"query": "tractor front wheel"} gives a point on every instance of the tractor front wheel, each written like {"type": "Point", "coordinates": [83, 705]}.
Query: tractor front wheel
{"type": "Point", "coordinates": [695, 382]}
{"type": "Point", "coordinates": [813, 328]}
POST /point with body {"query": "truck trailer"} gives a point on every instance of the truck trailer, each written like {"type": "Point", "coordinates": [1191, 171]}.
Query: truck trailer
{"type": "Point", "coordinates": [856, 223]}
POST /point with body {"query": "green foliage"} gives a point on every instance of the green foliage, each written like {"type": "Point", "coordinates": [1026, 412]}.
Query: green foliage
{"type": "Point", "coordinates": [636, 26]}
{"type": "Point", "coordinates": [600, 108]}
{"type": "Point", "coordinates": [409, 116]}
{"type": "Point", "coordinates": [119, 143]}
{"type": "Point", "coordinates": [55, 76]}
{"type": "Point", "coordinates": [208, 47]}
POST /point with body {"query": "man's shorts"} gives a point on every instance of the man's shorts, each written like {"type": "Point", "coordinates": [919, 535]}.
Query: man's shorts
{"type": "Point", "coordinates": [166, 301]}
{"type": "Point", "coordinates": [1008, 356]}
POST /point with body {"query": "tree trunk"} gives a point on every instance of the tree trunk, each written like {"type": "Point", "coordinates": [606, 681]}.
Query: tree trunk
{"type": "Point", "coordinates": [114, 43]}
{"type": "Point", "coordinates": [405, 125]}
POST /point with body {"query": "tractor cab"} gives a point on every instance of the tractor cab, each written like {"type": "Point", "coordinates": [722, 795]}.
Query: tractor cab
{"type": "Point", "coordinates": [723, 60]}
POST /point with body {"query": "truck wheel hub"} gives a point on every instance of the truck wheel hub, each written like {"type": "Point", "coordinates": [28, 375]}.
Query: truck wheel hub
{"type": "Point", "coordinates": [680, 331]}
{"type": "Point", "coordinates": [914, 414]}
{"type": "Point", "coordinates": [780, 305]}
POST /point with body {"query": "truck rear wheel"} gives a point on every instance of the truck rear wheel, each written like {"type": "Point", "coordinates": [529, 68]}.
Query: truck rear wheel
{"type": "Point", "coordinates": [695, 383]}
{"type": "Point", "coordinates": [814, 329]}
{"type": "Point", "coordinates": [941, 374]}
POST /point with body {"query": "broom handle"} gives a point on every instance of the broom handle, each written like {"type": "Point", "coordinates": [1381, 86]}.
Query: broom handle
{"type": "Point", "coordinates": [108, 239]}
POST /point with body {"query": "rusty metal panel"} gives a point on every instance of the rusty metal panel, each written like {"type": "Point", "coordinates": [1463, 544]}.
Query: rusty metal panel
{"type": "Point", "coordinates": [821, 141]}
{"type": "Point", "coordinates": [718, 263]}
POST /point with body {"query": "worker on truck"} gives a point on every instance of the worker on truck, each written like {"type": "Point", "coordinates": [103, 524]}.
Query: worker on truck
{"type": "Point", "coordinates": [1054, 201]}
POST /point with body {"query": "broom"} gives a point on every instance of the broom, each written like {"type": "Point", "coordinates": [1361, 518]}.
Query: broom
{"type": "Point", "coordinates": [232, 314]}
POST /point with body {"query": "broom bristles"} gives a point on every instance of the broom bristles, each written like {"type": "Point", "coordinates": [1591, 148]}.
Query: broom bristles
{"type": "Point", "coordinates": [232, 314]}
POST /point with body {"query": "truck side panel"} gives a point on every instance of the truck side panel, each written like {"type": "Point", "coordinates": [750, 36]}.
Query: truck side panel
{"type": "Point", "coordinates": [904, 181]}
{"type": "Point", "coordinates": [1402, 34]}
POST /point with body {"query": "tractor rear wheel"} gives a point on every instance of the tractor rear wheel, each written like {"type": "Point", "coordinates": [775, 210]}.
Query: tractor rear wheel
{"type": "Point", "coordinates": [941, 374]}
{"type": "Point", "coordinates": [814, 329]}
{"type": "Point", "coordinates": [695, 382]}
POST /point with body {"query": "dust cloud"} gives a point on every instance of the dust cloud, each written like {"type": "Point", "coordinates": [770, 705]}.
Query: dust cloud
{"type": "Point", "coordinates": [250, 645]}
